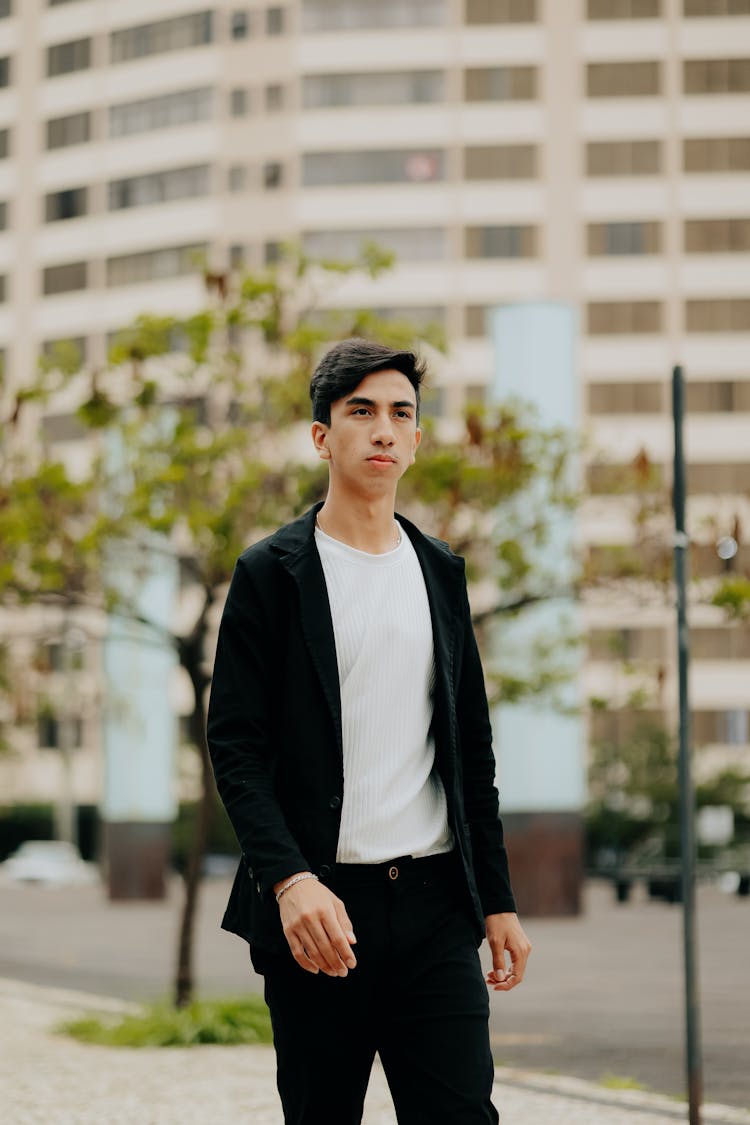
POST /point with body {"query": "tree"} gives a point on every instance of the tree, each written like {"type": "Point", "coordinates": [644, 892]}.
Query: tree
{"type": "Point", "coordinates": [208, 413]}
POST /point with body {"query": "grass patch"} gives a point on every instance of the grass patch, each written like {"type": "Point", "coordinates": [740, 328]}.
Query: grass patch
{"type": "Point", "coordinates": [228, 1022]}
{"type": "Point", "coordinates": [617, 1082]}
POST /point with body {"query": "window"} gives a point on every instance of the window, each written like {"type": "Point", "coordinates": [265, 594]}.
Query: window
{"type": "Point", "coordinates": [49, 734]}
{"type": "Point", "coordinates": [75, 129]}
{"type": "Point", "coordinates": [237, 177]}
{"type": "Point", "coordinates": [716, 7]}
{"type": "Point", "coordinates": [716, 76]}
{"type": "Point", "coordinates": [58, 428]}
{"type": "Point", "coordinates": [727, 477]}
{"type": "Point", "coordinates": [177, 34]}
{"type": "Point", "coordinates": [64, 279]}
{"type": "Point", "coordinates": [271, 253]}
{"type": "Point", "coordinates": [274, 21]}
{"type": "Point", "coordinates": [238, 102]}
{"type": "Point", "coordinates": [716, 643]}
{"type": "Point", "coordinates": [167, 111]}
{"type": "Point", "coordinates": [388, 166]}
{"type": "Point", "coordinates": [623, 9]}
{"type": "Point", "coordinates": [500, 83]}
{"type": "Point", "coordinates": [3, 215]}
{"type": "Point", "coordinates": [500, 162]}
{"type": "Point", "coordinates": [70, 352]}
{"type": "Point", "coordinates": [376, 88]}
{"type": "Point", "coordinates": [274, 97]}
{"type": "Point", "coordinates": [623, 317]}
{"type": "Point", "coordinates": [716, 154]}
{"type": "Point", "coordinates": [623, 158]}
{"type": "Point", "coordinates": [273, 174]}
{"type": "Point", "coordinates": [721, 397]}
{"type": "Point", "coordinates": [476, 324]}
{"type": "Point", "coordinates": [348, 15]}
{"type": "Point", "coordinates": [501, 242]}
{"type": "Point", "coordinates": [236, 256]}
{"type": "Point", "coordinates": [408, 244]}
{"type": "Point", "coordinates": [735, 727]}
{"type": "Point", "coordinates": [717, 236]}
{"type": "Point", "coordinates": [623, 238]}
{"type": "Point", "coordinates": [65, 58]}
{"type": "Point", "coordinates": [3, 298]}
{"type": "Point", "coordinates": [153, 265]}
{"type": "Point", "coordinates": [5, 9]}
{"type": "Point", "coordinates": [501, 11]}
{"type": "Point", "coordinates": [625, 398]}
{"type": "Point", "coordinates": [729, 314]}
{"type": "Point", "coordinates": [4, 144]}
{"type": "Point", "coordinates": [159, 187]}
{"type": "Point", "coordinates": [644, 643]}
{"type": "Point", "coordinates": [70, 203]}
{"type": "Point", "coordinates": [239, 24]}
{"type": "Point", "coordinates": [623, 79]}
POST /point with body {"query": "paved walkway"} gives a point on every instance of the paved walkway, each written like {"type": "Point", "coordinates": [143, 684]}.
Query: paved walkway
{"type": "Point", "coordinates": [46, 1079]}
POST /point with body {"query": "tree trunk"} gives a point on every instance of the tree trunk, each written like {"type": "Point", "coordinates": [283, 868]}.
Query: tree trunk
{"type": "Point", "coordinates": [191, 658]}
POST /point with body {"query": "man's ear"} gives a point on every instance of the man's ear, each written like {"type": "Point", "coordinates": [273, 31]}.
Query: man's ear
{"type": "Point", "coordinates": [320, 440]}
{"type": "Point", "coordinates": [417, 439]}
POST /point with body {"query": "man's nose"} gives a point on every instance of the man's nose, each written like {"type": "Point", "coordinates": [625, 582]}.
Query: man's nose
{"type": "Point", "coordinates": [382, 432]}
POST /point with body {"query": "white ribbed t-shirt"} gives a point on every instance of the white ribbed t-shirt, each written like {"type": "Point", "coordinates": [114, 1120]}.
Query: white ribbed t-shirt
{"type": "Point", "coordinates": [394, 801]}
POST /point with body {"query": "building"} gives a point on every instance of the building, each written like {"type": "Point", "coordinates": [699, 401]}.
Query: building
{"type": "Point", "coordinates": [594, 151]}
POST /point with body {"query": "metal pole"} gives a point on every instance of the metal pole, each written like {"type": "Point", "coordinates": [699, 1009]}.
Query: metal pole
{"type": "Point", "coordinates": [687, 798]}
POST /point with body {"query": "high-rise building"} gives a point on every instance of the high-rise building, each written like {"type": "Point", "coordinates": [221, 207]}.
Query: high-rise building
{"type": "Point", "coordinates": [592, 151]}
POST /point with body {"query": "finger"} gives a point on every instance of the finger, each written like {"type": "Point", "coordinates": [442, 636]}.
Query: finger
{"type": "Point", "coordinates": [342, 936]}
{"type": "Point", "coordinates": [332, 961]}
{"type": "Point", "coordinates": [300, 954]}
{"type": "Point", "coordinates": [344, 921]}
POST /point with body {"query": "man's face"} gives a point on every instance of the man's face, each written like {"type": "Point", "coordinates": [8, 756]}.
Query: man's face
{"type": "Point", "coordinates": [373, 434]}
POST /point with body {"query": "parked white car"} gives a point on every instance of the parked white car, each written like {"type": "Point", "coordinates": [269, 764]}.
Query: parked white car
{"type": "Point", "coordinates": [53, 863]}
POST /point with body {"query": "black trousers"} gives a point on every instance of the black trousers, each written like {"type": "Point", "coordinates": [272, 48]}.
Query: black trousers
{"type": "Point", "coordinates": [417, 997]}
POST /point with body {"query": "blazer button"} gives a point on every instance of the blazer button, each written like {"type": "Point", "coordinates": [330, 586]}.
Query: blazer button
{"type": "Point", "coordinates": [334, 803]}
{"type": "Point", "coordinates": [324, 871]}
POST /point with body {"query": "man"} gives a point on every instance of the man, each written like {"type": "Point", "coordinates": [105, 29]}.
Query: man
{"type": "Point", "coordinates": [351, 743]}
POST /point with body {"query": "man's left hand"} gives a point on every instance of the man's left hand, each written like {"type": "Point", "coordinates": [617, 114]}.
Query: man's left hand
{"type": "Point", "coordinates": [504, 932]}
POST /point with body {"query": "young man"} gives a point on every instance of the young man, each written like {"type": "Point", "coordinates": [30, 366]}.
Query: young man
{"type": "Point", "coordinates": [351, 743]}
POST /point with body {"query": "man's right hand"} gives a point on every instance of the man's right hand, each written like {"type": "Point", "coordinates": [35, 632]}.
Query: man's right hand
{"type": "Point", "coordinates": [317, 927]}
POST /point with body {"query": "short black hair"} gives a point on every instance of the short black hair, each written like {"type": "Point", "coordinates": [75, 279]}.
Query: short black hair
{"type": "Point", "coordinates": [347, 363]}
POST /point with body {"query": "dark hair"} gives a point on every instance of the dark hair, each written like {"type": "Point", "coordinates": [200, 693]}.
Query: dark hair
{"type": "Point", "coordinates": [347, 363]}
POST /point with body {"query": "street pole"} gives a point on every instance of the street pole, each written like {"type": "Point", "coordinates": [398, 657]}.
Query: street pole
{"type": "Point", "coordinates": [687, 797]}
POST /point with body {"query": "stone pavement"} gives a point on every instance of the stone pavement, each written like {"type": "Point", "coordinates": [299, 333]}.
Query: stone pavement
{"type": "Point", "coordinates": [46, 1079]}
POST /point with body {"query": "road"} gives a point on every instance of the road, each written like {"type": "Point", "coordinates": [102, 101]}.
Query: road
{"type": "Point", "coordinates": [603, 994]}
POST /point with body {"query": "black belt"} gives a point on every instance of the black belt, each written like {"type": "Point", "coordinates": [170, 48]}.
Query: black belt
{"type": "Point", "coordinates": [408, 867]}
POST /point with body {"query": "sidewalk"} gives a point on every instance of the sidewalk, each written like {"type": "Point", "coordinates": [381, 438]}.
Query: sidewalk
{"type": "Point", "coordinates": [46, 1079]}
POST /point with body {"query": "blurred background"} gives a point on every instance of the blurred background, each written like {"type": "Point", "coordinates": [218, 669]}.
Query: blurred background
{"type": "Point", "coordinates": [553, 200]}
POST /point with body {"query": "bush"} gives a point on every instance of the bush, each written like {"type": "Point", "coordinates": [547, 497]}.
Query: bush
{"type": "Point", "coordinates": [228, 1022]}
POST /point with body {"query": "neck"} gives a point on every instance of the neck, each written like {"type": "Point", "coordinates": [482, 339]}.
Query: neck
{"type": "Point", "coordinates": [366, 524]}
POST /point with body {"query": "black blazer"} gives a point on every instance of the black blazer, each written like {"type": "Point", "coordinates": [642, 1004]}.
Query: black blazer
{"type": "Point", "coordinates": [274, 727]}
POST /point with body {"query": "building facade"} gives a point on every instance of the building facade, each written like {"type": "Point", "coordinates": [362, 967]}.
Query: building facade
{"type": "Point", "coordinates": [592, 151]}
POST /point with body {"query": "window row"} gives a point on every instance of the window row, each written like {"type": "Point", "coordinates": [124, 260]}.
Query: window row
{"type": "Point", "coordinates": [729, 478]}
{"type": "Point", "coordinates": [731, 727]}
{"type": "Point", "coordinates": [651, 397]}
{"type": "Point", "coordinates": [651, 642]}
{"type": "Point", "coordinates": [713, 314]}
{"type": "Point", "coordinates": [126, 269]}
{"type": "Point", "coordinates": [644, 78]}
{"type": "Point", "coordinates": [654, 9]}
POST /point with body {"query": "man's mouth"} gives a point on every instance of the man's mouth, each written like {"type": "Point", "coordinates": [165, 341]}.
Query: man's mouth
{"type": "Point", "coordinates": [383, 459]}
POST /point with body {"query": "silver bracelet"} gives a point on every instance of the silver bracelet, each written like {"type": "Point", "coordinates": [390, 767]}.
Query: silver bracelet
{"type": "Point", "coordinates": [296, 879]}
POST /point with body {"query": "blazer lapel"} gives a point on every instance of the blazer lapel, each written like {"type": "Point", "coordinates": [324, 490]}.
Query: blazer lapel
{"type": "Point", "coordinates": [443, 576]}
{"type": "Point", "coordinates": [299, 556]}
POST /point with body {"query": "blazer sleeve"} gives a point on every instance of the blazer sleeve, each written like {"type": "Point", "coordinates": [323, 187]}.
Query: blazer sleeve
{"type": "Point", "coordinates": [480, 794]}
{"type": "Point", "coordinates": [241, 735]}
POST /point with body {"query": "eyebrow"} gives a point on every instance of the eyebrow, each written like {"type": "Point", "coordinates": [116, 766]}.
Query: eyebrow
{"type": "Point", "coordinates": [357, 400]}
